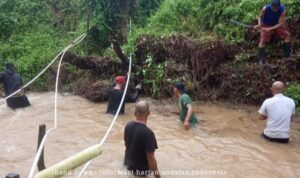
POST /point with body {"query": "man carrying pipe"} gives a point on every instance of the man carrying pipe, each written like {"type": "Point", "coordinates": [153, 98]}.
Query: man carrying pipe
{"type": "Point", "coordinates": [273, 19]}
{"type": "Point", "coordinates": [13, 82]}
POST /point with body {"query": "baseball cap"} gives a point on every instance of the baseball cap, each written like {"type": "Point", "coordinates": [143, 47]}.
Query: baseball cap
{"type": "Point", "coordinates": [180, 87]}
{"type": "Point", "coordinates": [120, 79]}
{"type": "Point", "coordinates": [275, 3]}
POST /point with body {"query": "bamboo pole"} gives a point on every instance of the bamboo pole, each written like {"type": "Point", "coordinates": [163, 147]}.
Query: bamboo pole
{"type": "Point", "coordinates": [63, 167]}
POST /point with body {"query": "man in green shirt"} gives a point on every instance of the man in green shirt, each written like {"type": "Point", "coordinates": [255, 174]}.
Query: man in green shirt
{"type": "Point", "coordinates": [185, 106]}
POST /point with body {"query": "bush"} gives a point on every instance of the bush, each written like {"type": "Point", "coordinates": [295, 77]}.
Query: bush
{"type": "Point", "coordinates": [293, 91]}
{"type": "Point", "coordinates": [32, 33]}
{"type": "Point", "coordinates": [153, 75]}
{"type": "Point", "coordinates": [31, 52]}
{"type": "Point", "coordinates": [191, 17]}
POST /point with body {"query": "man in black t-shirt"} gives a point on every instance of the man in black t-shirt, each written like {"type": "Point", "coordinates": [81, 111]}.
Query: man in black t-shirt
{"type": "Point", "coordinates": [140, 143]}
{"type": "Point", "coordinates": [116, 93]}
{"type": "Point", "coordinates": [12, 82]}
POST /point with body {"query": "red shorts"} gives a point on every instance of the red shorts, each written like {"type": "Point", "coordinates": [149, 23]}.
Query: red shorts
{"type": "Point", "coordinates": [282, 32]}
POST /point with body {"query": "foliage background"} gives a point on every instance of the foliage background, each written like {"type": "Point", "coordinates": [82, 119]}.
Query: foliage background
{"type": "Point", "coordinates": [34, 31]}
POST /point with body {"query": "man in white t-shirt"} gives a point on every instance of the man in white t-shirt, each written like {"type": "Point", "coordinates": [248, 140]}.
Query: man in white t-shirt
{"type": "Point", "coordinates": [279, 111]}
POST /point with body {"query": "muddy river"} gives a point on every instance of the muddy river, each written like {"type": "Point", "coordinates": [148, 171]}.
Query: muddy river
{"type": "Point", "coordinates": [226, 143]}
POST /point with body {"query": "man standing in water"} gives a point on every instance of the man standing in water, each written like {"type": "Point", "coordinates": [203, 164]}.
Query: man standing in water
{"type": "Point", "coordinates": [185, 106]}
{"type": "Point", "coordinates": [116, 93]}
{"type": "Point", "coordinates": [140, 144]}
{"type": "Point", "coordinates": [278, 111]}
{"type": "Point", "coordinates": [273, 19]}
{"type": "Point", "coordinates": [13, 82]}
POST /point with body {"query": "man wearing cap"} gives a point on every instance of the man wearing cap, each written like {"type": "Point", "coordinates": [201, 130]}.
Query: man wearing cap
{"type": "Point", "coordinates": [13, 82]}
{"type": "Point", "coordinates": [273, 19]}
{"type": "Point", "coordinates": [279, 111]}
{"type": "Point", "coordinates": [116, 93]}
{"type": "Point", "coordinates": [185, 106]}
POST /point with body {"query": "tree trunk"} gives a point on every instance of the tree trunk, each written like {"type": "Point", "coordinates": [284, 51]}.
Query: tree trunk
{"type": "Point", "coordinates": [120, 54]}
{"type": "Point", "coordinates": [122, 35]}
{"type": "Point", "coordinates": [97, 65]}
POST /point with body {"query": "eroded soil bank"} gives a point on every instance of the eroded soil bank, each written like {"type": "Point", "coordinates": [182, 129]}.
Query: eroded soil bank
{"type": "Point", "coordinates": [212, 70]}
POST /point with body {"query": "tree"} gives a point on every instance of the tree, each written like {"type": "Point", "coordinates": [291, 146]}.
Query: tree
{"type": "Point", "coordinates": [113, 16]}
{"type": "Point", "coordinates": [7, 21]}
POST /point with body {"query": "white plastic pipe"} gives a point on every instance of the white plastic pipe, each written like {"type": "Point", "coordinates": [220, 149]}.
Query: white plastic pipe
{"type": "Point", "coordinates": [81, 173]}
{"type": "Point", "coordinates": [37, 156]}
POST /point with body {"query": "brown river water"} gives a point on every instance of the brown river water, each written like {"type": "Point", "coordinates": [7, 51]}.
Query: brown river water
{"type": "Point", "coordinates": [226, 143]}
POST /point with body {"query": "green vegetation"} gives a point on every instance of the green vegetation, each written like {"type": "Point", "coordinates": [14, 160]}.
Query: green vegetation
{"type": "Point", "coordinates": [153, 76]}
{"type": "Point", "coordinates": [293, 91]}
{"type": "Point", "coordinates": [205, 20]}
{"type": "Point", "coordinates": [34, 31]}
{"type": "Point", "coordinates": [192, 17]}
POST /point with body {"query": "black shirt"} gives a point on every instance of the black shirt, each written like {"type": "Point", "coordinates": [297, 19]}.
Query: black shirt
{"type": "Point", "coordinates": [139, 140]}
{"type": "Point", "coordinates": [114, 100]}
{"type": "Point", "coordinates": [11, 81]}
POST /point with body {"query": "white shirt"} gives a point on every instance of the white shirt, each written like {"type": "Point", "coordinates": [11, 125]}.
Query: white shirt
{"type": "Point", "coordinates": [279, 110]}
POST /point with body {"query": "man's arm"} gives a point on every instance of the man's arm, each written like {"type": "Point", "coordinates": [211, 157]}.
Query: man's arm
{"type": "Point", "coordinates": [293, 117]}
{"type": "Point", "coordinates": [282, 21]}
{"type": "Point", "coordinates": [1, 81]}
{"type": "Point", "coordinates": [188, 116]}
{"type": "Point", "coordinates": [261, 15]}
{"type": "Point", "coordinates": [294, 112]}
{"type": "Point", "coordinates": [263, 111]}
{"type": "Point", "coordinates": [262, 117]}
{"type": "Point", "coordinates": [133, 97]}
{"type": "Point", "coordinates": [2, 75]}
{"type": "Point", "coordinates": [125, 136]}
{"type": "Point", "coordinates": [153, 164]}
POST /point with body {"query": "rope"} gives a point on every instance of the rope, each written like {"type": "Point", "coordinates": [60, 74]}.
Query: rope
{"type": "Point", "coordinates": [41, 147]}
{"type": "Point", "coordinates": [81, 173]}
{"type": "Point", "coordinates": [42, 72]}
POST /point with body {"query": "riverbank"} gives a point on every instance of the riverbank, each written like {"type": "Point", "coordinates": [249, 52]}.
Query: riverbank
{"type": "Point", "coordinates": [226, 140]}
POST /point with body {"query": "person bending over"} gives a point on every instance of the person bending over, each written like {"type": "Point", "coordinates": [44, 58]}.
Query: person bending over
{"type": "Point", "coordinates": [278, 111]}
{"type": "Point", "coordinates": [273, 19]}
{"type": "Point", "coordinates": [13, 82]}
{"type": "Point", "coordinates": [116, 93]}
{"type": "Point", "coordinates": [140, 143]}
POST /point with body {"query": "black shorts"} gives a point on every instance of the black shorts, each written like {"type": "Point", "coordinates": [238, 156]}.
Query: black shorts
{"type": "Point", "coordinates": [278, 140]}
{"type": "Point", "coordinates": [18, 102]}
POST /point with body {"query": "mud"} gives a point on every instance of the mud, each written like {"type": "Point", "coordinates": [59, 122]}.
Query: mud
{"type": "Point", "coordinates": [213, 70]}
{"type": "Point", "coordinates": [226, 140]}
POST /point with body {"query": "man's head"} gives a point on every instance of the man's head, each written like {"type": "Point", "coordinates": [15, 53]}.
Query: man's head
{"type": "Point", "coordinates": [278, 87]}
{"type": "Point", "coordinates": [275, 5]}
{"type": "Point", "coordinates": [120, 80]}
{"type": "Point", "coordinates": [9, 66]}
{"type": "Point", "coordinates": [179, 88]}
{"type": "Point", "coordinates": [142, 110]}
